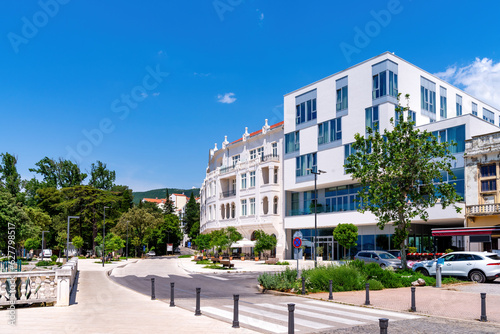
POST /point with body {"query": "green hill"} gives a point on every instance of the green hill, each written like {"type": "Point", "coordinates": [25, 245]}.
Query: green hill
{"type": "Point", "coordinates": [160, 193]}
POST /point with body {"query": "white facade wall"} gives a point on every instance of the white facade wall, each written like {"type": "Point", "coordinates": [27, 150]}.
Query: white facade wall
{"type": "Point", "coordinates": [217, 193]}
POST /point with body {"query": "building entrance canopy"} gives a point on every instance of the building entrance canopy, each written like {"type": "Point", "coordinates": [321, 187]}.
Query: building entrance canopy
{"type": "Point", "coordinates": [446, 232]}
{"type": "Point", "coordinates": [243, 243]}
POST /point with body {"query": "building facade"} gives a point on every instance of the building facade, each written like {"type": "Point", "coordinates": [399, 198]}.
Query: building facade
{"type": "Point", "coordinates": [482, 171]}
{"type": "Point", "coordinates": [243, 186]}
{"type": "Point", "coordinates": [320, 121]}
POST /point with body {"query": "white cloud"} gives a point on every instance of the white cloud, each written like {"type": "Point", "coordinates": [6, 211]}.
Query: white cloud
{"type": "Point", "coordinates": [261, 16]}
{"type": "Point", "coordinates": [144, 95]}
{"type": "Point", "coordinates": [156, 94]}
{"type": "Point", "coordinates": [481, 79]}
{"type": "Point", "coordinates": [226, 98]}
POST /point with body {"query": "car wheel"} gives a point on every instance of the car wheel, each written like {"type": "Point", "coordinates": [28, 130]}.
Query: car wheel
{"type": "Point", "coordinates": [477, 276]}
{"type": "Point", "coordinates": [423, 271]}
{"type": "Point", "coordinates": [382, 266]}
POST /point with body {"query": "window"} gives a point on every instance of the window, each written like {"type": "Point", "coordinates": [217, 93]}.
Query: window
{"type": "Point", "coordinates": [443, 112]}
{"type": "Point", "coordinates": [372, 118]}
{"type": "Point", "coordinates": [244, 181]}
{"type": "Point", "coordinates": [260, 152]}
{"type": "Point", "coordinates": [474, 109]}
{"type": "Point", "coordinates": [275, 206]}
{"type": "Point", "coordinates": [253, 154]}
{"type": "Point", "coordinates": [488, 116]}
{"type": "Point", "coordinates": [455, 134]}
{"type": "Point", "coordinates": [342, 98]}
{"type": "Point", "coordinates": [428, 95]}
{"type": "Point", "coordinates": [275, 175]}
{"type": "Point", "coordinates": [488, 170]}
{"type": "Point", "coordinates": [252, 179]}
{"type": "Point", "coordinates": [243, 207]}
{"type": "Point", "coordinates": [252, 206]}
{"type": "Point", "coordinates": [489, 185]}
{"type": "Point", "coordinates": [308, 202]}
{"type": "Point", "coordinates": [306, 111]}
{"type": "Point", "coordinates": [458, 181]}
{"type": "Point", "coordinates": [342, 198]}
{"type": "Point", "coordinates": [348, 150]}
{"type": "Point", "coordinates": [233, 210]}
{"type": "Point", "coordinates": [303, 163]}
{"type": "Point", "coordinates": [292, 142]}
{"type": "Point", "coordinates": [411, 114]}
{"type": "Point", "coordinates": [330, 131]}
{"type": "Point", "coordinates": [295, 204]}
{"type": "Point", "coordinates": [275, 149]}
{"type": "Point", "coordinates": [379, 85]}
{"type": "Point", "coordinates": [393, 84]}
{"type": "Point", "coordinates": [236, 159]}
{"type": "Point", "coordinates": [459, 105]}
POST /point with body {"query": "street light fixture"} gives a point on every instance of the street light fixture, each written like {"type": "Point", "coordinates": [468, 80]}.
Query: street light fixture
{"type": "Point", "coordinates": [104, 233]}
{"type": "Point", "coordinates": [67, 237]}
{"type": "Point", "coordinates": [316, 173]}
{"type": "Point", "coordinates": [42, 241]}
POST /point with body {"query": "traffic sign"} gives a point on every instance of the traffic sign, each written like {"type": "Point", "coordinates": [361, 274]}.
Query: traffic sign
{"type": "Point", "coordinates": [297, 242]}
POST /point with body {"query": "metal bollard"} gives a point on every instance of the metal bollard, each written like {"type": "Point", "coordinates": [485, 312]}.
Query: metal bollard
{"type": "Point", "coordinates": [236, 323]}
{"type": "Point", "coordinates": [413, 307]}
{"type": "Point", "coordinates": [330, 296]}
{"type": "Point", "coordinates": [172, 304]}
{"type": "Point", "coordinates": [367, 300]}
{"type": "Point", "coordinates": [303, 285]}
{"type": "Point", "coordinates": [153, 289]}
{"type": "Point", "coordinates": [197, 311]}
{"type": "Point", "coordinates": [483, 307]}
{"type": "Point", "coordinates": [291, 325]}
{"type": "Point", "coordinates": [383, 323]}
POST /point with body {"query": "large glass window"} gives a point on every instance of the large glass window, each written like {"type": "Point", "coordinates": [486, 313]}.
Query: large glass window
{"type": "Point", "coordinates": [348, 150]}
{"type": "Point", "coordinates": [304, 163]}
{"type": "Point", "coordinates": [252, 179]}
{"type": "Point", "coordinates": [295, 204]}
{"type": "Point", "coordinates": [253, 154]}
{"type": "Point", "coordinates": [459, 105]}
{"type": "Point", "coordinates": [342, 98]}
{"type": "Point", "coordinates": [252, 206]}
{"type": "Point", "coordinates": [489, 185]}
{"type": "Point", "coordinates": [379, 85]}
{"type": "Point", "coordinates": [428, 95]}
{"type": "Point", "coordinates": [372, 118]}
{"type": "Point", "coordinates": [330, 131]}
{"type": "Point", "coordinates": [455, 134]}
{"type": "Point", "coordinates": [411, 114]}
{"type": "Point", "coordinates": [244, 181]}
{"type": "Point", "coordinates": [488, 170]}
{"type": "Point", "coordinates": [243, 207]}
{"type": "Point", "coordinates": [236, 159]}
{"type": "Point", "coordinates": [292, 142]}
{"type": "Point", "coordinates": [275, 149]}
{"type": "Point", "coordinates": [308, 201]}
{"type": "Point", "coordinates": [443, 105]}
{"type": "Point", "coordinates": [342, 198]}
{"type": "Point", "coordinates": [488, 116]}
{"type": "Point", "coordinates": [393, 84]}
{"type": "Point", "coordinates": [305, 111]}
{"type": "Point", "coordinates": [474, 109]}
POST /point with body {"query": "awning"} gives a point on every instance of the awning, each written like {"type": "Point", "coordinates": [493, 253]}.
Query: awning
{"type": "Point", "coordinates": [243, 243]}
{"type": "Point", "coordinates": [446, 232]}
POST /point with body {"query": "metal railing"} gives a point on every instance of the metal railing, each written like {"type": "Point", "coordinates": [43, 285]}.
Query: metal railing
{"type": "Point", "coordinates": [270, 157]}
{"type": "Point", "coordinates": [480, 209]}
{"type": "Point", "coordinates": [226, 194]}
{"type": "Point", "coordinates": [225, 170]}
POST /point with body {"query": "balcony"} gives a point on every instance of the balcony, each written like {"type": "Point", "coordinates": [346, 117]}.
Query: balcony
{"type": "Point", "coordinates": [482, 209]}
{"type": "Point", "coordinates": [225, 170]}
{"type": "Point", "coordinates": [226, 194]}
{"type": "Point", "coordinates": [270, 157]}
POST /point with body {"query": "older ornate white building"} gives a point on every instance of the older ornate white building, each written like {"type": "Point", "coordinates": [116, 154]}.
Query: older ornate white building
{"type": "Point", "coordinates": [243, 185]}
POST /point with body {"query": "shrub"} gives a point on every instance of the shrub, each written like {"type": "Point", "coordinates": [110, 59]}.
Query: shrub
{"type": "Point", "coordinates": [284, 263]}
{"type": "Point", "coordinates": [412, 249]}
{"type": "Point", "coordinates": [344, 278]}
{"type": "Point", "coordinates": [53, 258]}
{"type": "Point", "coordinates": [45, 263]}
{"type": "Point", "coordinates": [449, 250]}
{"type": "Point", "coordinates": [375, 285]}
{"type": "Point", "coordinates": [184, 256]}
{"type": "Point", "coordinates": [281, 281]}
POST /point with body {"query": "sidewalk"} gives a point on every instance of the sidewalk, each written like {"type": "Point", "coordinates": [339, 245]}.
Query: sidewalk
{"type": "Point", "coordinates": [105, 307]}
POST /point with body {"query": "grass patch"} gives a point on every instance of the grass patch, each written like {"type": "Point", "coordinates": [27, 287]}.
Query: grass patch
{"type": "Point", "coordinates": [48, 263]}
{"type": "Point", "coordinates": [284, 263]}
{"type": "Point", "coordinates": [204, 262]}
{"type": "Point", "coordinates": [214, 266]}
{"type": "Point", "coordinates": [185, 256]}
{"type": "Point", "coordinates": [101, 262]}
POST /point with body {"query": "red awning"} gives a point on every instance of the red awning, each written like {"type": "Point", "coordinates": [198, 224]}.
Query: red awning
{"type": "Point", "coordinates": [446, 232]}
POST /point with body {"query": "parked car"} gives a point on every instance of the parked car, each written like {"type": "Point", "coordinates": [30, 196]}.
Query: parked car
{"type": "Point", "coordinates": [476, 266]}
{"type": "Point", "coordinates": [384, 259]}
{"type": "Point", "coordinates": [46, 253]}
{"type": "Point", "coordinates": [177, 250]}
{"type": "Point", "coordinates": [395, 252]}
{"type": "Point", "coordinates": [151, 253]}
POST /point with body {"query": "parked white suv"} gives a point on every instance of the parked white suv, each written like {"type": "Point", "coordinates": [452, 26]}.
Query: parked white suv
{"type": "Point", "coordinates": [477, 266]}
{"type": "Point", "coordinates": [46, 253]}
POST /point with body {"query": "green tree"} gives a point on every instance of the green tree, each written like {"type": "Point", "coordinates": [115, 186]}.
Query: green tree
{"type": "Point", "coordinates": [168, 232]}
{"type": "Point", "coordinates": [112, 242]}
{"type": "Point", "coordinates": [101, 177]}
{"type": "Point", "coordinates": [192, 217]}
{"type": "Point", "coordinates": [346, 235]}
{"type": "Point", "coordinates": [12, 218]}
{"type": "Point", "coordinates": [168, 207]}
{"type": "Point", "coordinates": [202, 241]}
{"type": "Point", "coordinates": [59, 174]}
{"type": "Point", "coordinates": [264, 241]}
{"type": "Point", "coordinates": [401, 173]}
{"type": "Point", "coordinates": [9, 177]}
{"type": "Point", "coordinates": [77, 242]}
{"type": "Point", "coordinates": [136, 242]}
{"type": "Point", "coordinates": [32, 243]}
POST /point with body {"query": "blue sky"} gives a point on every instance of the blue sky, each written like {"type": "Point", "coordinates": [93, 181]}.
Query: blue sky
{"type": "Point", "coordinates": [148, 87]}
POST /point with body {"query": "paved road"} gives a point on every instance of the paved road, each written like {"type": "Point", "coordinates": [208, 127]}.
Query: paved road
{"type": "Point", "coordinates": [261, 312]}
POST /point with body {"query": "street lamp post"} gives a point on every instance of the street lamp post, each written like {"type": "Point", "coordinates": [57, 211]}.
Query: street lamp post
{"type": "Point", "coordinates": [103, 233]}
{"type": "Point", "coordinates": [127, 243]}
{"type": "Point", "coordinates": [67, 237]}
{"type": "Point", "coordinates": [316, 173]}
{"type": "Point", "coordinates": [42, 241]}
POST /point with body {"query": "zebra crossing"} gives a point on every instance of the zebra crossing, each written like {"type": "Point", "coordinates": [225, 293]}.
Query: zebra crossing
{"type": "Point", "coordinates": [310, 315]}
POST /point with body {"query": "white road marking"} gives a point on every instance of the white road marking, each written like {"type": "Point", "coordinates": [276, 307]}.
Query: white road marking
{"type": "Point", "coordinates": [268, 326]}
{"type": "Point", "coordinates": [217, 277]}
{"type": "Point", "coordinates": [363, 309]}
{"type": "Point", "coordinates": [281, 317]}
{"type": "Point", "coordinates": [316, 315]}
{"type": "Point", "coordinates": [351, 314]}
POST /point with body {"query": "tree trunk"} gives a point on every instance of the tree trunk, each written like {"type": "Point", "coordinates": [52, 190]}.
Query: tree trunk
{"type": "Point", "coordinates": [402, 227]}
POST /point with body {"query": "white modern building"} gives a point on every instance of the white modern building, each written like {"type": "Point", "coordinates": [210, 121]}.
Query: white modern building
{"type": "Point", "coordinates": [243, 186]}
{"type": "Point", "coordinates": [320, 121]}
